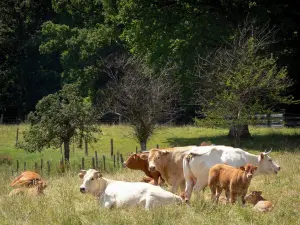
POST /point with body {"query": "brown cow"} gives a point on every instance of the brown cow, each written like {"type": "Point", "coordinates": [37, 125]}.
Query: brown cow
{"type": "Point", "coordinates": [169, 164]}
{"type": "Point", "coordinates": [235, 181]}
{"type": "Point", "coordinates": [259, 202]}
{"type": "Point", "coordinates": [135, 162]}
{"type": "Point", "coordinates": [38, 189]}
{"type": "Point", "coordinates": [151, 181]}
{"type": "Point", "coordinates": [26, 178]}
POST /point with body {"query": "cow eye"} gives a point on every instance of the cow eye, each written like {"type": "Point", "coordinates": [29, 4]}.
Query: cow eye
{"type": "Point", "coordinates": [158, 157]}
{"type": "Point", "coordinates": [92, 179]}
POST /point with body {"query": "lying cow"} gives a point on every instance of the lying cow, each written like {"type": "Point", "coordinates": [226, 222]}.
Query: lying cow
{"type": "Point", "coordinates": [197, 164]}
{"type": "Point", "coordinates": [259, 202]}
{"type": "Point", "coordinates": [120, 193]}
{"type": "Point", "coordinates": [26, 179]}
{"type": "Point", "coordinates": [38, 189]}
{"type": "Point", "coordinates": [169, 164]}
{"type": "Point", "coordinates": [150, 180]}
{"type": "Point", "coordinates": [135, 162]}
{"type": "Point", "coordinates": [235, 181]}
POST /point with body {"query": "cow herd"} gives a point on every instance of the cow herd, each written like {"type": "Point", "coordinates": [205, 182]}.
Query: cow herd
{"type": "Point", "coordinates": [190, 168]}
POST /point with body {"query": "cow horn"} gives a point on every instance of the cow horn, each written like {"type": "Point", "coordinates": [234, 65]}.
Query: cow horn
{"type": "Point", "coordinates": [266, 153]}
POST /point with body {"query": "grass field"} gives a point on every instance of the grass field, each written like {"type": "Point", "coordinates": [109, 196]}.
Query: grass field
{"type": "Point", "coordinates": [64, 204]}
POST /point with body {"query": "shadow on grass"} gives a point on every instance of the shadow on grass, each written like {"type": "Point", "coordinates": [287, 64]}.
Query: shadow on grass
{"type": "Point", "coordinates": [278, 142]}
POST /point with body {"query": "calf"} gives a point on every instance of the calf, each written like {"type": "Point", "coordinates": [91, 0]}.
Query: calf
{"type": "Point", "coordinates": [121, 194]}
{"type": "Point", "coordinates": [197, 163]}
{"type": "Point", "coordinates": [259, 202]}
{"type": "Point", "coordinates": [38, 189]}
{"type": "Point", "coordinates": [26, 179]}
{"type": "Point", "coordinates": [135, 162]}
{"type": "Point", "coordinates": [235, 181]}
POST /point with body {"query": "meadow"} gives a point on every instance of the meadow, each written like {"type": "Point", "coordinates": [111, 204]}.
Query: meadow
{"type": "Point", "coordinates": [64, 204]}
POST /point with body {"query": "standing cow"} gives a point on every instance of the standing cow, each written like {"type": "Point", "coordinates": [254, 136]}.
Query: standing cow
{"type": "Point", "coordinates": [169, 164]}
{"type": "Point", "coordinates": [196, 165]}
{"type": "Point", "coordinates": [120, 193]}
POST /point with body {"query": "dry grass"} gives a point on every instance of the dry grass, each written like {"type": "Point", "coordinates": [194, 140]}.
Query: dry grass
{"type": "Point", "coordinates": [64, 204]}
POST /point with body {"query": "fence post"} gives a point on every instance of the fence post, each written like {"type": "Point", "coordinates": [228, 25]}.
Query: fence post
{"type": "Point", "coordinates": [82, 163]}
{"type": "Point", "coordinates": [17, 166]}
{"type": "Point", "coordinates": [136, 149]}
{"type": "Point", "coordinates": [96, 158]}
{"type": "Point", "coordinates": [114, 161]}
{"type": "Point", "coordinates": [48, 167]}
{"type": "Point", "coordinates": [118, 159]}
{"type": "Point", "coordinates": [93, 163]}
{"type": "Point", "coordinates": [61, 152]}
{"type": "Point", "coordinates": [111, 147]}
{"type": "Point", "coordinates": [42, 166]}
{"type": "Point", "coordinates": [36, 167]}
{"type": "Point", "coordinates": [104, 167]}
{"type": "Point", "coordinates": [24, 166]}
{"type": "Point", "coordinates": [86, 151]}
{"type": "Point", "coordinates": [17, 136]}
{"type": "Point", "coordinates": [157, 146]}
{"type": "Point", "coordinates": [121, 158]}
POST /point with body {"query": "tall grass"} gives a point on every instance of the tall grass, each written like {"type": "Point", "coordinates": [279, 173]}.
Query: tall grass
{"type": "Point", "coordinates": [64, 204]}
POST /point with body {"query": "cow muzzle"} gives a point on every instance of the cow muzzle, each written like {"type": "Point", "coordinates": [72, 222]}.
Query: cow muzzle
{"type": "Point", "coordinates": [82, 189]}
{"type": "Point", "coordinates": [249, 176]}
{"type": "Point", "coordinates": [152, 168]}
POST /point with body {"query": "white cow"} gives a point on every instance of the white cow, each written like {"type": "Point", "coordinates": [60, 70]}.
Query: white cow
{"type": "Point", "coordinates": [196, 165]}
{"type": "Point", "coordinates": [121, 193]}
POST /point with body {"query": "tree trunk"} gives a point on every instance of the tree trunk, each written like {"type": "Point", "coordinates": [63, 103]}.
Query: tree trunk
{"type": "Point", "coordinates": [143, 145]}
{"type": "Point", "coordinates": [239, 131]}
{"type": "Point", "coordinates": [67, 149]}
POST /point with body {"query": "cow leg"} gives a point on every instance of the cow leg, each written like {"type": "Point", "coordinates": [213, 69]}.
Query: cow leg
{"type": "Point", "coordinates": [150, 203]}
{"type": "Point", "coordinates": [200, 185]}
{"type": "Point", "coordinates": [218, 193]}
{"type": "Point", "coordinates": [188, 189]}
{"type": "Point", "coordinates": [233, 197]}
{"type": "Point", "coordinates": [108, 204]}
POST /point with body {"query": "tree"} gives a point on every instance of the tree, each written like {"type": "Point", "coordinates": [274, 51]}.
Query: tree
{"type": "Point", "coordinates": [240, 81]}
{"type": "Point", "coordinates": [58, 118]}
{"type": "Point", "coordinates": [142, 97]}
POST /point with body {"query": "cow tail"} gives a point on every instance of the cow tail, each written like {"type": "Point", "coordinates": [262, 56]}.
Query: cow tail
{"type": "Point", "coordinates": [187, 160]}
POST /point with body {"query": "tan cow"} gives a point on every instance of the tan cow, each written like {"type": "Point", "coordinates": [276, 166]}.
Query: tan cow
{"type": "Point", "coordinates": [169, 164]}
{"type": "Point", "coordinates": [38, 189]}
{"type": "Point", "coordinates": [26, 179]}
{"type": "Point", "coordinates": [259, 202]}
{"type": "Point", "coordinates": [235, 181]}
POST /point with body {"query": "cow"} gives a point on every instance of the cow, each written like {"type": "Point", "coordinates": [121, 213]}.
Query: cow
{"type": "Point", "coordinates": [169, 164]}
{"type": "Point", "coordinates": [259, 203]}
{"type": "Point", "coordinates": [197, 163]}
{"type": "Point", "coordinates": [135, 162]}
{"type": "Point", "coordinates": [38, 189]}
{"type": "Point", "coordinates": [26, 179]}
{"type": "Point", "coordinates": [235, 181]}
{"type": "Point", "coordinates": [117, 194]}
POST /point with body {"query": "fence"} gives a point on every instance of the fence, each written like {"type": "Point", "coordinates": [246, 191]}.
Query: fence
{"type": "Point", "coordinates": [278, 120]}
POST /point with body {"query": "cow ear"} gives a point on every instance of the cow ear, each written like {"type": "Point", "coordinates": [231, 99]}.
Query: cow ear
{"type": "Point", "coordinates": [255, 167]}
{"type": "Point", "coordinates": [98, 174]}
{"type": "Point", "coordinates": [261, 157]}
{"type": "Point", "coordinates": [164, 152]}
{"type": "Point", "coordinates": [82, 173]}
{"type": "Point", "coordinates": [242, 168]}
{"type": "Point", "coordinates": [144, 156]}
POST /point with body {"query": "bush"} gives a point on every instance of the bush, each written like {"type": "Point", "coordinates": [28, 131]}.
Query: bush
{"type": "Point", "coordinates": [5, 159]}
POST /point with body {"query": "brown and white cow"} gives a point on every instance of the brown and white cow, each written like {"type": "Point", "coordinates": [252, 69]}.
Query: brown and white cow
{"type": "Point", "coordinates": [235, 181]}
{"type": "Point", "coordinates": [259, 202]}
{"type": "Point", "coordinates": [169, 164]}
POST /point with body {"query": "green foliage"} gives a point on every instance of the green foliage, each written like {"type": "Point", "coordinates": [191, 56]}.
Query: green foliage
{"type": "Point", "coordinates": [58, 118]}
{"type": "Point", "coordinates": [242, 82]}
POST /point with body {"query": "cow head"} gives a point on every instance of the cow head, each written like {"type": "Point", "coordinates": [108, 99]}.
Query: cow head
{"type": "Point", "coordinates": [266, 164]}
{"type": "Point", "coordinates": [89, 178]}
{"type": "Point", "coordinates": [249, 170]}
{"type": "Point", "coordinates": [41, 186]}
{"type": "Point", "coordinates": [135, 161]}
{"type": "Point", "coordinates": [156, 159]}
{"type": "Point", "coordinates": [254, 197]}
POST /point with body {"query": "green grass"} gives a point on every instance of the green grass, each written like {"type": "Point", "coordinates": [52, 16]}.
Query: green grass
{"type": "Point", "coordinates": [64, 204]}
